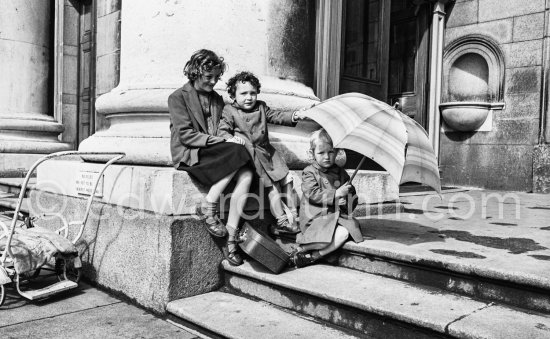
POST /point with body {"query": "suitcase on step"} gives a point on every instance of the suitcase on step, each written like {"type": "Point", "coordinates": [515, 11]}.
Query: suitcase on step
{"type": "Point", "coordinates": [263, 249]}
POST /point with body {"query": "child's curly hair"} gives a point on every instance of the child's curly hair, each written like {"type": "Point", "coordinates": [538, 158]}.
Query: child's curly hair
{"type": "Point", "coordinates": [201, 61]}
{"type": "Point", "coordinates": [242, 77]}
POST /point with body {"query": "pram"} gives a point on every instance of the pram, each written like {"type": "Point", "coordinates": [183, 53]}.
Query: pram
{"type": "Point", "coordinates": [27, 250]}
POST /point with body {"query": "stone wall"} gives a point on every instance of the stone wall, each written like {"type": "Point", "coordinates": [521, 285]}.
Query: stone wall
{"type": "Point", "coordinates": [501, 158]}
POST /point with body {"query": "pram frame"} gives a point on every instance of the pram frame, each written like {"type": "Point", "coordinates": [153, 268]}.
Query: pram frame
{"type": "Point", "coordinates": [7, 272]}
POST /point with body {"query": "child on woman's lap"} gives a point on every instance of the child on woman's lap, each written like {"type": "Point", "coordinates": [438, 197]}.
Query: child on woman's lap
{"type": "Point", "coordinates": [327, 199]}
{"type": "Point", "coordinates": [247, 118]}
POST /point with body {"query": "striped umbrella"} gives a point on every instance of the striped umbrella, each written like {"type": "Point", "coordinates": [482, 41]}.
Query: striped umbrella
{"type": "Point", "coordinates": [376, 130]}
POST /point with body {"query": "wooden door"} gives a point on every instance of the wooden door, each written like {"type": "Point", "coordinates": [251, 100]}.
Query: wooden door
{"type": "Point", "coordinates": [385, 52]}
{"type": "Point", "coordinates": [365, 48]}
{"type": "Point", "coordinates": [86, 83]}
{"type": "Point", "coordinates": [408, 58]}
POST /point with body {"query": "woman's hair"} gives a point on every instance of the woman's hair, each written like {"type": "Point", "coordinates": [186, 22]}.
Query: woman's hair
{"type": "Point", "coordinates": [201, 61]}
{"type": "Point", "coordinates": [242, 77]}
{"type": "Point", "coordinates": [319, 135]}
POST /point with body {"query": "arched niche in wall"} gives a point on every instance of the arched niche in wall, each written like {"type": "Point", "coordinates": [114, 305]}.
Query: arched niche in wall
{"type": "Point", "coordinates": [473, 83]}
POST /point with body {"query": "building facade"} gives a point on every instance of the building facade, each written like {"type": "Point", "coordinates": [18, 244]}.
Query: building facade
{"type": "Point", "coordinates": [95, 74]}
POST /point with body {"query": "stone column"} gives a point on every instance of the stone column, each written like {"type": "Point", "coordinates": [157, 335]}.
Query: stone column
{"type": "Point", "coordinates": [27, 129]}
{"type": "Point", "coordinates": [274, 39]}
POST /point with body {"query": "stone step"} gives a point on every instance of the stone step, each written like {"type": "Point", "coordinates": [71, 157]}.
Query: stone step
{"type": "Point", "coordinates": [383, 307]}
{"type": "Point", "coordinates": [224, 315]}
{"type": "Point", "coordinates": [525, 287]}
{"type": "Point", "coordinates": [12, 186]}
{"type": "Point", "coordinates": [457, 276]}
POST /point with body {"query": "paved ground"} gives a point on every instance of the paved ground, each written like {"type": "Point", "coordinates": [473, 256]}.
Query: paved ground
{"type": "Point", "coordinates": [85, 313]}
{"type": "Point", "coordinates": [504, 235]}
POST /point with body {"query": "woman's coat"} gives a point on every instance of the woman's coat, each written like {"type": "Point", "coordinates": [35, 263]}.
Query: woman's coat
{"type": "Point", "coordinates": [187, 125]}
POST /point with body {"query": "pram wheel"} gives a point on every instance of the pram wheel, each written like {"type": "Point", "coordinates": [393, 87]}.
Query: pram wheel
{"type": "Point", "coordinates": [65, 270]}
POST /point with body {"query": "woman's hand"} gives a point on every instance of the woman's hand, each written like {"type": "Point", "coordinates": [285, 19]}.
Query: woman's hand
{"type": "Point", "coordinates": [236, 140]}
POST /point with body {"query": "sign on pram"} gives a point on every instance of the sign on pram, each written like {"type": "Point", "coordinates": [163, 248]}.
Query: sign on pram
{"type": "Point", "coordinates": [85, 183]}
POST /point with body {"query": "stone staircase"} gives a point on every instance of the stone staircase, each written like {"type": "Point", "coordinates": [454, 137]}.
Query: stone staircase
{"type": "Point", "coordinates": [377, 289]}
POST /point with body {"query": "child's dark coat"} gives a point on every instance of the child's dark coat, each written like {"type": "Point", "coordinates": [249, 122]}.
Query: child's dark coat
{"type": "Point", "coordinates": [318, 213]}
{"type": "Point", "coordinates": [252, 128]}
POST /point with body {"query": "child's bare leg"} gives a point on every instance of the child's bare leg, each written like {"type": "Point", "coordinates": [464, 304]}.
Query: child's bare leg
{"type": "Point", "coordinates": [312, 252]}
{"type": "Point", "coordinates": [341, 234]}
{"type": "Point", "coordinates": [311, 246]}
{"type": "Point", "coordinates": [275, 203]}
{"type": "Point", "coordinates": [291, 197]}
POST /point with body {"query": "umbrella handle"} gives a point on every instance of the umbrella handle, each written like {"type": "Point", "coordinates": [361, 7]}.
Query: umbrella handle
{"type": "Point", "coordinates": [357, 169]}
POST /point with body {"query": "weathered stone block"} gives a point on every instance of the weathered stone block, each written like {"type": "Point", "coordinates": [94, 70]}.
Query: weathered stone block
{"type": "Point", "coordinates": [108, 35]}
{"type": "Point", "coordinates": [498, 9]}
{"type": "Point", "coordinates": [528, 27]}
{"type": "Point", "coordinates": [151, 258]}
{"type": "Point", "coordinates": [516, 132]}
{"type": "Point", "coordinates": [70, 78]}
{"type": "Point", "coordinates": [521, 54]}
{"type": "Point", "coordinates": [525, 79]}
{"type": "Point", "coordinates": [462, 14]}
{"type": "Point", "coordinates": [521, 105]}
{"type": "Point", "coordinates": [71, 20]}
{"type": "Point", "coordinates": [105, 7]}
{"type": "Point", "coordinates": [499, 167]}
{"type": "Point", "coordinates": [499, 30]}
{"type": "Point", "coordinates": [541, 169]}
{"type": "Point", "coordinates": [69, 120]}
{"type": "Point", "coordinates": [504, 131]}
{"type": "Point", "coordinates": [106, 72]}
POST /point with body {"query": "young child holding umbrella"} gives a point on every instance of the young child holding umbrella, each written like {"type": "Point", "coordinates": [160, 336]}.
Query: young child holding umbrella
{"type": "Point", "coordinates": [327, 202]}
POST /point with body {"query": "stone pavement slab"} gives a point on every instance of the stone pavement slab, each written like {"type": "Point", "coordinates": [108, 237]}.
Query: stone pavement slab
{"type": "Point", "coordinates": [499, 235]}
{"type": "Point", "coordinates": [111, 321]}
{"type": "Point", "coordinates": [18, 310]}
{"type": "Point", "coordinates": [83, 313]}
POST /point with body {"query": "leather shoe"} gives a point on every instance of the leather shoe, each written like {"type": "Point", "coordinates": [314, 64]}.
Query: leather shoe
{"type": "Point", "coordinates": [232, 256]}
{"type": "Point", "coordinates": [213, 223]}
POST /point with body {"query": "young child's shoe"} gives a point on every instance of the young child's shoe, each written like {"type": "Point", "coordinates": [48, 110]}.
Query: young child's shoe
{"type": "Point", "coordinates": [232, 256]}
{"type": "Point", "coordinates": [212, 222]}
{"type": "Point", "coordinates": [285, 227]}
{"type": "Point", "coordinates": [302, 259]}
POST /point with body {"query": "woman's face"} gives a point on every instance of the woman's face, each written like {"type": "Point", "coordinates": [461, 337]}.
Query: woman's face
{"type": "Point", "coordinates": [206, 81]}
{"type": "Point", "coordinates": [245, 95]}
{"type": "Point", "coordinates": [324, 154]}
